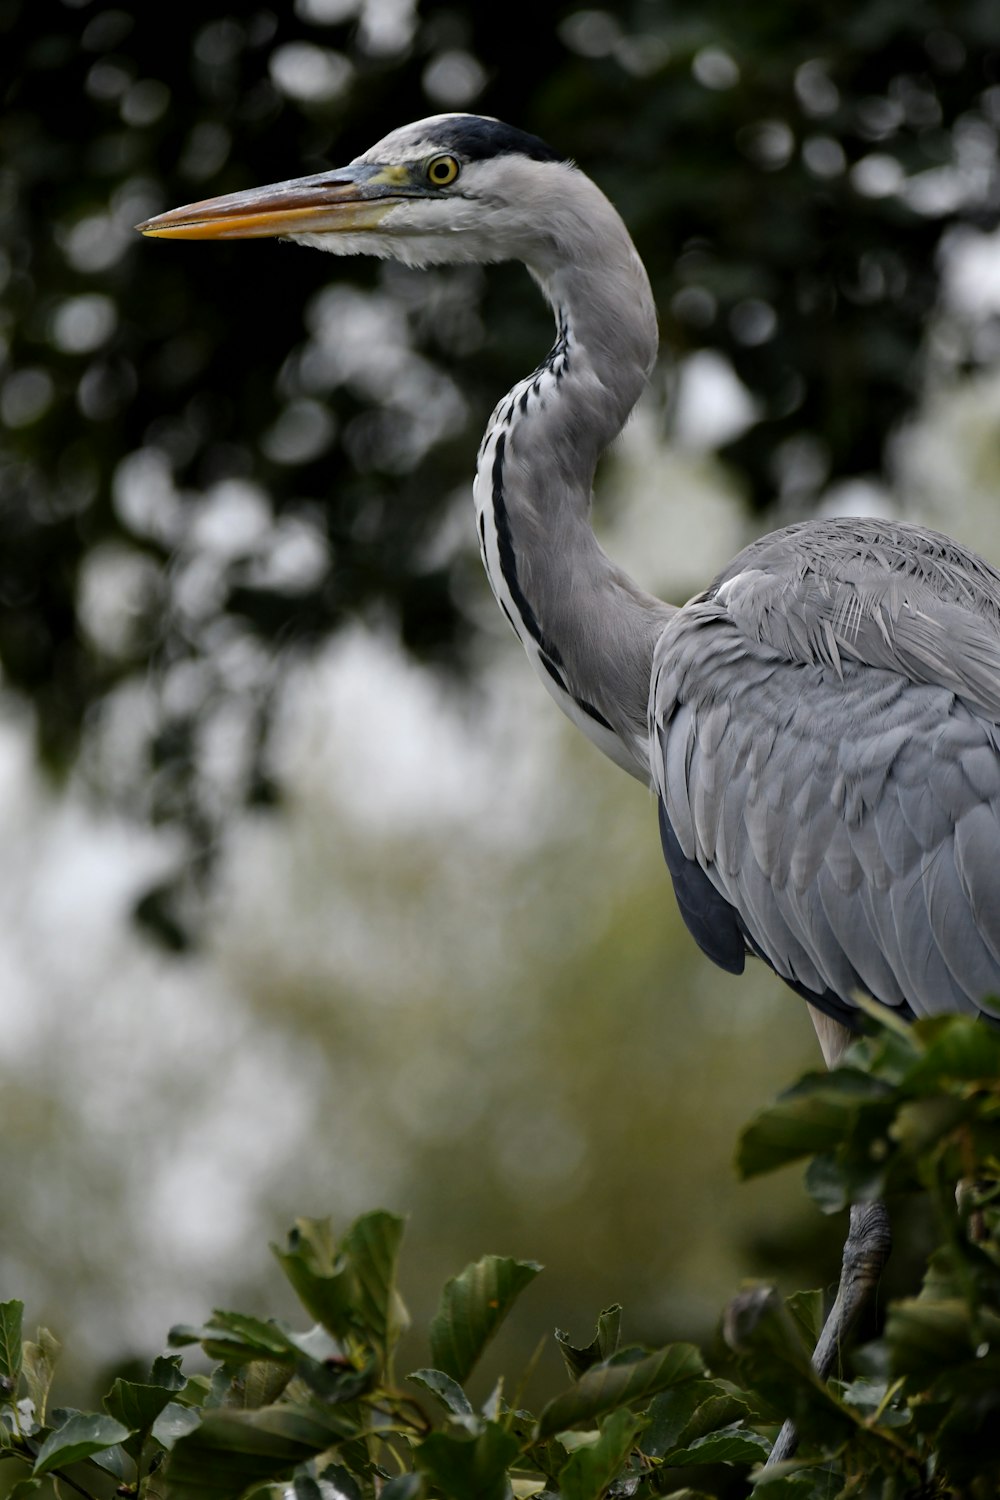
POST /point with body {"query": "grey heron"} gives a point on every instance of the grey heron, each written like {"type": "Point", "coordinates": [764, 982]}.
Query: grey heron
{"type": "Point", "coordinates": [821, 725]}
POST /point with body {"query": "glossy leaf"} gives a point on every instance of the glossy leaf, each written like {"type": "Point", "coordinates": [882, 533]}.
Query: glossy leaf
{"type": "Point", "coordinates": [758, 1319]}
{"type": "Point", "coordinates": [461, 1464]}
{"type": "Point", "coordinates": [872, 1399]}
{"type": "Point", "coordinates": [730, 1445]}
{"type": "Point", "coordinates": [807, 1313]}
{"type": "Point", "coordinates": [136, 1406]}
{"type": "Point", "coordinates": [258, 1383]}
{"type": "Point", "coordinates": [590, 1471]}
{"type": "Point", "coordinates": [956, 1048]}
{"type": "Point", "coordinates": [807, 1486]}
{"type": "Point", "coordinates": [118, 1460]}
{"type": "Point", "coordinates": [606, 1386]}
{"type": "Point", "coordinates": [830, 1183]}
{"type": "Point", "coordinates": [322, 1279]}
{"type": "Point", "coordinates": [920, 1124]}
{"type": "Point", "coordinates": [235, 1337]}
{"type": "Point", "coordinates": [925, 1337]}
{"type": "Point", "coordinates": [175, 1421]}
{"type": "Point", "coordinates": [166, 1371]}
{"type": "Point", "coordinates": [403, 1487]}
{"type": "Point", "coordinates": [372, 1247]}
{"type": "Point", "coordinates": [85, 1433]}
{"type": "Point", "coordinates": [603, 1345]}
{"type": "Point", "coordinates": [230, 1450]}
{"type": "Point", "coordinates": [447, 1391]}
{"type": "Point", "coordinates": [817, 1114]}
{"type": "Point", "coordinates": [689, 1411]}
{"type": "Point", "coordinates": [473, 1306]}
{"type": "Point", "coordinates": [11, 1315]}
{"type": "Point", "coordinates": [23, 1489]}
{"type": "Point", "coordinates": [38, 1367]}
{"type": "Point", "coordinates": [691, 1494]}
{"type": "Point", "coordinates": [760, 1329]}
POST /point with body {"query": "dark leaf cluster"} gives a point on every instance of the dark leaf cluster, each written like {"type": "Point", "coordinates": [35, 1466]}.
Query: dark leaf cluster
{"type": "Point", "coordinates": [789, 174]}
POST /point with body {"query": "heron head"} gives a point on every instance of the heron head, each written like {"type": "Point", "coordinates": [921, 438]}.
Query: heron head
{"type": "Point", "coordinates": [450, 188]}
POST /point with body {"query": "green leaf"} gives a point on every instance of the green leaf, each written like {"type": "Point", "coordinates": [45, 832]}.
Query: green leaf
{"type": "Point", "coordinates": [689, 1411]}
{"type": "Point", "coordinates": [466, 1466]}
{"type": "Point", "coordinates": [258, 1383]}
{"type": "Point", "coordinates": [234, 1337]}
{"type": "Point", "coordinates": [760, 1329]}
{"type": "Point", "coordinates": [349, 1288]}
{"type": "Point", "coordinates": [956, 1049]}
{"type": "Point", "coordinates": [403, 1487]}
{"type": "Point", "coordinates": [829, 1183]}
{"type": "Point", "coordinates": [606, 1386]}
{"type": "Point", "coordinates": [22, 1489]}
{"type": "Point", "coordinates": [116, 1461]}
{"type": "Point", "coordinates": [11, 1315]}
{"type": "Point", "coordinates": [869, 1396]}
{"type": "Point", "coordinates": [175, 1421]}
{"type": "Point", "coordinates": [921, 1123]}
{"type": "Point", "coordinates": [603, 1345]}
{"type": "Point", "coordinates": [806, 1311]}
{"type": "Point", "coordinates": [925, 1337]}
{"type": "Point", "coordinates": [757, 1319]}
{"type": "Point", "coordinates": [372, 1247]}
{"type": "Point", "coordinates": [689, 1494]}
{"type": "Point", "coordinates": [83, 1434]}
{"type": "Point", "coordinates": [810, 1486]}
{"type": "Point", "coordinates": [136, 1407]}
{"type": "Point", "coordinates": [447, 1391]}
{"type": "Point", "coordinates": [322, 1279]}
{"type": "Point", "coordinates": [816, 1114]}
{"type": "Point", "coordinates": [590, 1471]}
{"type": "Point", "coordinates": [230, 1450]}
{"type": "Point", "coordinates": [166, 1371]}
{"type": "Point", "coordinates": [38, 1368]}
{"type": "Point", "coordinates": [473, 1306]}
{"type": "Point", "coordinates": [197, 1390]}
{"type": "Point", "coordinates": [730, 1445]}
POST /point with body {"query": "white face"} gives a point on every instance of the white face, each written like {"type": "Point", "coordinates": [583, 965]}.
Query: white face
{"type": "Point", "coordinates": [486, 209]}
{"type": "Point", "coordinates": [446, 189]}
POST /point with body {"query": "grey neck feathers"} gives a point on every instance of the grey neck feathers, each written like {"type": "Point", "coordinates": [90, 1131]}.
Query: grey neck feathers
{"type": "Point", "coordinates": [587, 627]}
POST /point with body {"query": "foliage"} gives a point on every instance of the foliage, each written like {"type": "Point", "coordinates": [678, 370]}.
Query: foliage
{"type": "Point", "coordinates": [323, 1414]}
{"type": "Point", "coordinates": [199, 470]}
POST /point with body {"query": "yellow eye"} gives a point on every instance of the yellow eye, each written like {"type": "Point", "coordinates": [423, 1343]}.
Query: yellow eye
{"type": "Point", "coordinates": [441, 170]}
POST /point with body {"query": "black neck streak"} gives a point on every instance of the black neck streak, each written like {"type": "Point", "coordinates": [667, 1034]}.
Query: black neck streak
{"type": "Point", "coordinates": [555, 366]}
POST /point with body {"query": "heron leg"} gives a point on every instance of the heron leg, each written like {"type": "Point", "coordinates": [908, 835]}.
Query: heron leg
{"type": "Point", "coordinates": [866, 1251]}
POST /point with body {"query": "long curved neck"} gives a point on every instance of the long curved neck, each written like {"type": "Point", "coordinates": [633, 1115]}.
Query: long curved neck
{"type": "Point", "coordinates": [587, 627]}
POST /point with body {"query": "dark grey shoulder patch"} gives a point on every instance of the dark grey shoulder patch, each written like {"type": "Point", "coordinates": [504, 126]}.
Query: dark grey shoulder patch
{"type": "Point", "coordinates": [477, 139]}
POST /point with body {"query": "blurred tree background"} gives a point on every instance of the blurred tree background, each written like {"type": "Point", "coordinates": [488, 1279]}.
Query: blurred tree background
{"type": "Point", "coordinates": [315, 904]}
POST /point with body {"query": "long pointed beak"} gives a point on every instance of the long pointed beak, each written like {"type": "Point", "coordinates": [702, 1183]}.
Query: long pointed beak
{"type": "Point", "coordinates": [350, 198]}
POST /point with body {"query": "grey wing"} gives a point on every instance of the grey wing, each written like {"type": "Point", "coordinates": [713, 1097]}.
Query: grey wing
{"type": "Point", "coordinates": [845, 812]}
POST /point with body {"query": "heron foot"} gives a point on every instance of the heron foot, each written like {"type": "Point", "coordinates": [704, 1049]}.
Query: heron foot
{"type": "Point", "coordinates": [866, 1250]}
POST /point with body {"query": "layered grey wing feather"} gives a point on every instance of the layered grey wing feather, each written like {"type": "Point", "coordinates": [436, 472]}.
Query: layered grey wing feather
{"type": "Point", "coordinates": [825, 738]}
